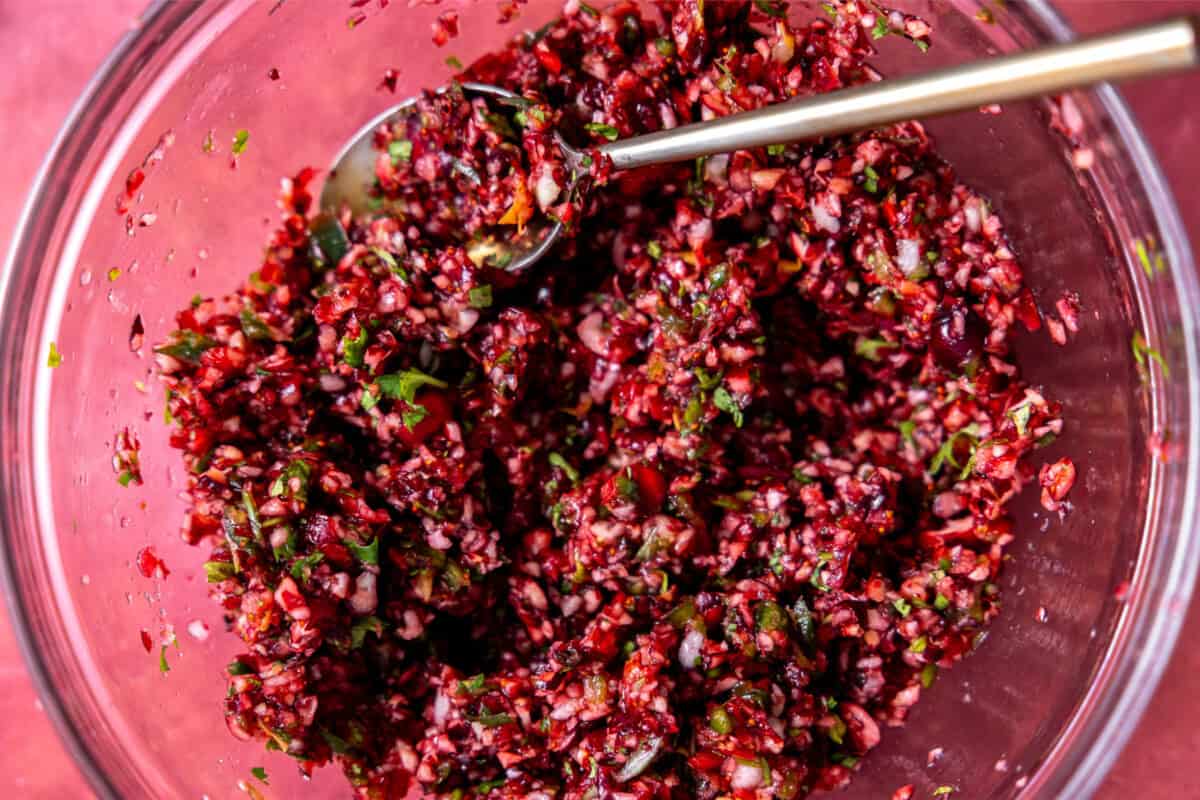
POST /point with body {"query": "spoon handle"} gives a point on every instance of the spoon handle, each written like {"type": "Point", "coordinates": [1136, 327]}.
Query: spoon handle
{"type": "Point", "coordinates": [1151, 49]}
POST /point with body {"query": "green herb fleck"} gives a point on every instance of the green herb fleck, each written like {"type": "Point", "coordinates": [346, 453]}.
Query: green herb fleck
{"type": "Point", "coordinates": [941, 602]}
{"type": "Point", "coordinates": [453, 63]}
{"type": "Point", "coordinates": [923, 46]}
{"type": "Point", "coordinates": [480, 296]}
{"type": "Point", "coordinates": [240, 140]}
{"type": "Point", "coordinates": [945, 453]}
{"type": "Point", "coordinates": [217, 571]}
{"type": "Point", "coordinates": [882, 27]}
{"type": "Point", "coordinates": [907, 428]}
{"type": "Point", "coordinates": [770, 9]}
{"type": "Point", "coordinates": [837, 731]}
{"type": "Point", "coordinates": [720, 721]}
{"type": "Point", "coordinates": [943, 790]}
{"type": "Point", "coordinates": [666, 48]}
{"type": "Point", "coordinates": [602, 129]}
{"type": "Point", "coordinates": [251, 512]}
{"type": "Point", "coordinates": [336, 743]}
{"type": "Point", "coordinates": [870, 348]}
{"type": "Point", "coordinates": [723, 400]}
{"type": "Point", "coordinates": [817, 579]}
{"type": "Point", "coordinates": [239, 668]}
{"type": "Point", "coordinates": [366, 553]}
{"type": "Point", "coordinates": [360, 629]}
{"type": "Point", "coordinates": [261, 774]}
{"type": "Point", "coordinates": [903, 606]}
{"type": "Point", "coordinates": [489, 719]}
{"type": "Point", "coordinates": [297, 469]}
{"type": "Point", "coordinates": [353, 347]}
{"type": "Point", "coordinates": [560, 462]}
{"type": "Point", "coordinates": [55, 358]}
{"type": "Point", "coordinates": [655, 250]}
{"type": "Point", "coordinates": [400, 150]}
{"type": "Point", "coordinates": [918, 645]}
{"type": "Point", "coordinates": [871, 181]}
{"type": "Point", "coordinates": [253, 326]}
{"type": "Point", "coordinates": [404, 385]}
{"type": "Point", "coordinates": [928, 675]}
{"type": "Point", "coordinates": [302, 566]}
{"type": "Point", "coordinates": [413, 416]}
{"type": "Point", "coordinates": [770, 617]}
{"type": "Point", "coordinates": [474, 686]}
{"type": "Point", "coordinates": [1143, 352]}
{"type": "Point", "coordinates": [163, 666]}
{"type": "Point", "coordinates": [1020, 415]}
{"type": "Point", "coordinates": [187, 345]}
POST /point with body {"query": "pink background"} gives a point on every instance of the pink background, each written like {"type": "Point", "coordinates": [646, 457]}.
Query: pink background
{"type": "Point", "coordinates": [49, 49]}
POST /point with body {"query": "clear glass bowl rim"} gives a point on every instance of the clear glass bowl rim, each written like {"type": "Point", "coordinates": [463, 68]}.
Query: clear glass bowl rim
{"type": "Point", "coordinates": [1108, 714]}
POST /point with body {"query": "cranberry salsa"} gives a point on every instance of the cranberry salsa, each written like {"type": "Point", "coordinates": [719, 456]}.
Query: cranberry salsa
{"type": "Point", "coordinates": [697, 507]}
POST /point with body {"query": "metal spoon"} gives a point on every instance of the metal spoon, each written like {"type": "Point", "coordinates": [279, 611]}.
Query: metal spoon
{"type": "Point", "coordinates": [1151, 49]}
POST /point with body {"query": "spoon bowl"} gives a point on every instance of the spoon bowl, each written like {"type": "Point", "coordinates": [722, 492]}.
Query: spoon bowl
{"type": "Point", "coordinates": [353, 172]}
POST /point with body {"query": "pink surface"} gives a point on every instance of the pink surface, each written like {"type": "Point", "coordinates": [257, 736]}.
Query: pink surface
{"type": "Point", "coordinates": [46, 58]}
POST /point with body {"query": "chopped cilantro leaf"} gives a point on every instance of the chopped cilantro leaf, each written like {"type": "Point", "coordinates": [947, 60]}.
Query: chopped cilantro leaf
{"type": "Point", "coordinates": [404, 385]}
{"type": "Point", "coordinates": [770, 9]}
{"type": "Point", "coordinates": [602, 129]}
{"type": "Point", "coordinates": [260, 773]}
{"type": "Point", "coordinates": [413, 415]}
{"type": "Point", "coordinates": [882, 27]}
{"type": "Point", "coordinates": [360, 629]}
{"type": "Point", "coordinates": [366, 553]}
{"type": "Point", "coordinates": [871, 181]}
{"type": "Point", "coordinates": [336, 743]}
{"type": "Point", "coordinates": [217, 571]}
{"type": "Point", "coordinates": [870, 348]}
{"type": "Point", "coordinates": [400, 150]}
{"type": "Point", "coordinates": [55, 357]}
{"type": "Point", "coordinates": [474, 686]}
{"type": "Point", "coordinates": [1020, 415]}
{"type": "Point", "coordinates": [480, 296]}
{"type": "Point", "coordinates": [1143, 352]}
{"type": "Point", "coordinates": [163, 666]}
{"type": "Point", "coordinates": [303, 566]}
{"type": "Point", "coordinates": [723, 400]}
{"type": "Point", "coordinates": [253, 326]}
{"type": "Point", "coordinates": [353, 347]}
{"type": "Point", "coordinates": [240, 140]}
{"type": "Point", "coordinates": [560, 462]}
{"type": "Point", "coordinates": [186, 345]}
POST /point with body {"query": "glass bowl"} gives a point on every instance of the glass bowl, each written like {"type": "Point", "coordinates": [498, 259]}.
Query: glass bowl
{"type": "Point", "coordinates": [1093, 600]}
